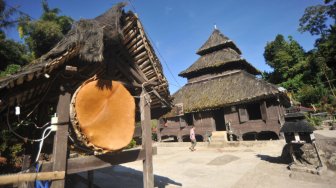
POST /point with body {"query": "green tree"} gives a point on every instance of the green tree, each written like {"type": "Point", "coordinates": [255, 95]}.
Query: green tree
{"type": "Point", "coordinates": [12, 54]}
{"type": "Point", "coordinates": [315, 18]}
{"type": "Point", "coordinates": [287, 58]}
{"type": "Point", "coordinates": [326, 48]}
{"type": "Point", "coordinates": [309, 94]}
{"type": "Point", "coordinates": [5, 15]}
{"type": "Point", "coordinates": [41, 35]}
{"type": "Point", "coordinates": [311, 75]}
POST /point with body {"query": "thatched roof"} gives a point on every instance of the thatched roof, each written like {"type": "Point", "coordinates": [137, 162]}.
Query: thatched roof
{"type": "Point", "coordinates": [236, 87]}
{"type": "Point", "coordinates": [297, 127]}
{"type": "Point", "coordinates": [219, 59]}
{"type": "Point", "coordinates": [217, 41]}
{"type": "Point", "coordinates": [218, 54]}
{"type": "Point", "coordinates": [113, 46]}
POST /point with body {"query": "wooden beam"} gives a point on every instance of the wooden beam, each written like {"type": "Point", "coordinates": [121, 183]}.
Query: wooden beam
{"type": "Point", "coordinates": [148, 176]}
{"type": "Point", "coordinates": [134, 50]}
{"type": "Point", "coordinates": [130, 36]}
{"type": "Point", "coordinates": [141, 60]}
{"type": "Point", "coordinates": [139, 56]}
{"type": "Point", "coordinates": [127, 71]}
{"type": "Point", "coordinates": [144, 64]}
{"type": "Point", "coordinates": [25, 177]}
{"type": "Point", "coordinates": [87, 163]}
{"type": "Point", "coordinates": [133, 41]}
{"type": "Point", "coordinates": [59, 156]}
{"type": "Point", "coordinates": [128, 26]}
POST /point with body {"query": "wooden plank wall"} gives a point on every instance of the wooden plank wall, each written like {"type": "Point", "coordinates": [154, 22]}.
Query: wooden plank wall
{"type": "Point", "coordinates": [177, 127]}
{"type": "Point", "coordinates": [204, 122]}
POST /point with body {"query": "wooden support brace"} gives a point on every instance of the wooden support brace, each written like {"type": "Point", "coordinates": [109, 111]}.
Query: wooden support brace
{"type": "Point", "coordinates": [61, 137]}
{"type": "Point", "coordinates": [93, 162]}
{"type": "Point", "coordinates": [148, 176]}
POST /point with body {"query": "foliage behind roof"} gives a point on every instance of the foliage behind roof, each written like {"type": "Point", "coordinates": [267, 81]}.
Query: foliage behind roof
{"type": "Point", "coordinates": [233, 88]}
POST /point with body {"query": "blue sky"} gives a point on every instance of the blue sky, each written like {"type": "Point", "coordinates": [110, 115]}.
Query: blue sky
{"type": "Point", "coordinates": [179, 27]}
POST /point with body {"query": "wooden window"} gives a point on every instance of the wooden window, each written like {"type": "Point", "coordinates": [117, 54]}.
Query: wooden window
{"type": "Point", "coordinates": [189, 119]}
{"type": "Point", "coordinates": [253, 111]}
{"type": "Point", "coordinates": [243, 116]}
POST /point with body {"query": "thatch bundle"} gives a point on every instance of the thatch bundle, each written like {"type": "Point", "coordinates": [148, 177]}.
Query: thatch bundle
{"type": "Point", "coordinates": [89, 36]}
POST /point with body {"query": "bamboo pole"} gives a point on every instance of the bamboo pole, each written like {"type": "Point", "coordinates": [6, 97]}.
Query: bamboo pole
{"type": "Point", "coordinates": [24, 177]}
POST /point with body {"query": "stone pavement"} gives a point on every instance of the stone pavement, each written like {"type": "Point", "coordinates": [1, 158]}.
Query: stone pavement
{"type": "Point", "coordinates": [255, 166]}
{"type": "Point", "coordinates": [326, 133]}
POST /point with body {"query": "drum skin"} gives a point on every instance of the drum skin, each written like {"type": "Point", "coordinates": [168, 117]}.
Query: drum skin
{"type": "Point", "coordinates": [103, 115]}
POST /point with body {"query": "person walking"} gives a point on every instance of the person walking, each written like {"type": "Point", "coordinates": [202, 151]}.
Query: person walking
{"type": "Point", "coordinates": [192, 139]}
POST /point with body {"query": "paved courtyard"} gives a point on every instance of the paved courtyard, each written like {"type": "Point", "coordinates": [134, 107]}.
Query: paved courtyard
{"type": "Point", "coordinates": [254, 166]}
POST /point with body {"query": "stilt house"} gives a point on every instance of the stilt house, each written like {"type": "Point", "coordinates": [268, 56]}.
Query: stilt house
{"type": "Point", "coordinates": [224, 94]}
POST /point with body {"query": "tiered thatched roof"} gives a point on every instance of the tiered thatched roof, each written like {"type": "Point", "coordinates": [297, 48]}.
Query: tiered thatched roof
{"type": "Point", "coordinates": [112, 46]}
{"type": "Point", "coordinates": [219, 61]}
{"type": "Point", "coordinates": [218, 54]}
{"type": "Point", "coordinates": [217, 41]}
{"type": "Point", "coordinates": [233, 88]}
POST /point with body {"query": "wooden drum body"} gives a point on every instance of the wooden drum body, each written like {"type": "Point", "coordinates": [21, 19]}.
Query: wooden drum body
{"type": "Point", "coordinates": [102, 113]}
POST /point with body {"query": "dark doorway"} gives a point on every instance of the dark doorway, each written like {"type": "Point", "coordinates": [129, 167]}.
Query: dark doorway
{"type": "Point", "coordinates": [189, 119]}
{"type": "Point", "coordinates": [253, 111]}
{"type": "Point", "coordinates": [219, 120]}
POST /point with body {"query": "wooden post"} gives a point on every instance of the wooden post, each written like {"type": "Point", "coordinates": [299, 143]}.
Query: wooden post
{"type": "Point", "coordinates": [61, 136]}
{"type": "Point", "coordinates": [25, 164]}
{"type": "Point", "coordinates": [292, 152]}
{"type": "Point", "coordinates": [90, 179]}
{"type": "Point", "coordinates": [158, 131]}
{"type": "Point", "coordinates": [148, 176]}
{"type": "Point", "coordinates": [179, 134]}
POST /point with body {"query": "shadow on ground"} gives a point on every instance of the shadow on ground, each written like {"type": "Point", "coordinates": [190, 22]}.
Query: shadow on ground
{"type": "Point", "coordinates": [276, 160]}
{"type": "Point", "coordinates": [283, 159]}
{"type": "Point", "coordinates": [119, 176]}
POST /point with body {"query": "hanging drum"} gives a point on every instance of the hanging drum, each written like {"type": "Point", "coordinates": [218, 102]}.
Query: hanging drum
{"type": "Point", "coordinates": [102, 113]}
